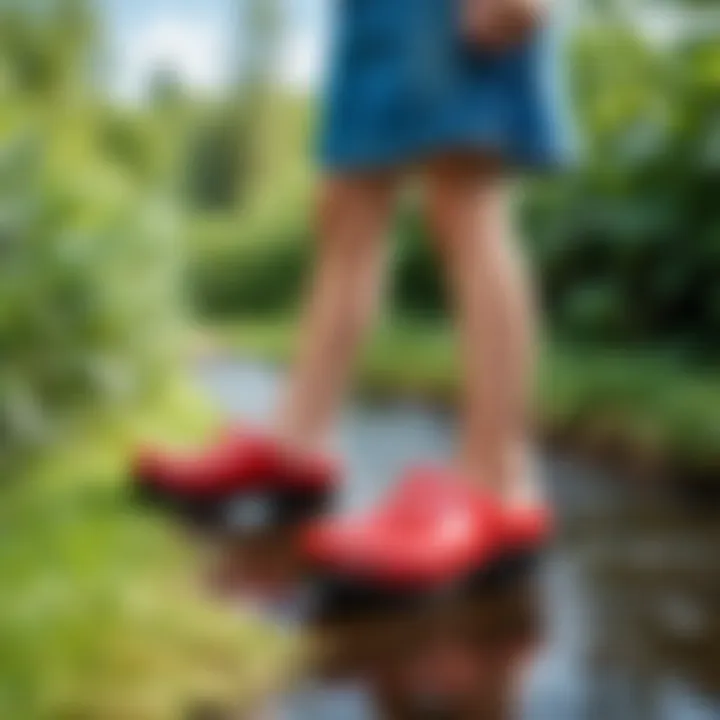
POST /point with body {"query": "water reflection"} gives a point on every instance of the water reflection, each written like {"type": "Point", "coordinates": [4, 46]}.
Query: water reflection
{"type": "Point", "coordinates": [654, 576]}
{"type": "Point", "coordinates": [621, 622]}
{"type": "Point", "coordinates": [465, 659]}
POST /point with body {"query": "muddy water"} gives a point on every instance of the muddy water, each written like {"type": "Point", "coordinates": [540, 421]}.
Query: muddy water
{"type": "Point", "coordinates": [621, 623]}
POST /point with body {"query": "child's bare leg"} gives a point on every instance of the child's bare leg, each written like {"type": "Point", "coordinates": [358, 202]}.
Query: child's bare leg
{"type": "Point", "coordinates": [468, 207]}
{"type": "Point", "coordinates": [353, 214]}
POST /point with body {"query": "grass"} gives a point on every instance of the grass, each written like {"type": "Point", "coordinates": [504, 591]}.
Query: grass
{"type": "Point", "coordinates": [640, 408]}
{"type": "Point", "coordinates": [101, 617]}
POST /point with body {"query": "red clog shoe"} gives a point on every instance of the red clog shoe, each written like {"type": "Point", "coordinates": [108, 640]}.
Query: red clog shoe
{"type": "Point", "coordinates": [436, 535]}
{"type": "Point", "coordinates": [243, 481]}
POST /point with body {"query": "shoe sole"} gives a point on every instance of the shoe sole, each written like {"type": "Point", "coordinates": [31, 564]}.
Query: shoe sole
{"type": "Point", "coordinates": [334, 597]}
{"type": "Point", "coordinates": [251, 511]}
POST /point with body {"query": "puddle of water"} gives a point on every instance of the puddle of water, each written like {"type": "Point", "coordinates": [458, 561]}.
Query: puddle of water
{"type": "Point", "coordinates": [626, 604]}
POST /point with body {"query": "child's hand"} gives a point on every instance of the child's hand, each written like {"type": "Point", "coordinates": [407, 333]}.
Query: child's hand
{"type": "Point", "coordinates": [497, 24]}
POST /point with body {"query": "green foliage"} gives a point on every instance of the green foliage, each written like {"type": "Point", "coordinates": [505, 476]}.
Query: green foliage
{"type": "Point", "coordinates": [418, 288]}
{"type": "Point", "coordinates": [101, 615]}
{"type": "Point", "coordinates": [225, 151]}
{"type": "Point", "coordinates": [46, 46]}
{"type": "Point", "coordinates": [88, 258]}
{"type": "Point", "coordinates": [628, 248]}
{"type": "Point", "coordinates": [215, 170]}
{"type": "Point", "coordinates": [256, 264]}
{"type": "Point", "coordinates": [87, 284]}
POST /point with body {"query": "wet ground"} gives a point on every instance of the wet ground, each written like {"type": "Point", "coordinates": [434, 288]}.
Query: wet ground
{"type": "Point", "coordinates": [622, 621]}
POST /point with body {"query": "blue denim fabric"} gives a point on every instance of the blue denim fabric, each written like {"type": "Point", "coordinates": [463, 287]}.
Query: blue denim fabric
{"type": "Point", "coordinates": [404, 84]}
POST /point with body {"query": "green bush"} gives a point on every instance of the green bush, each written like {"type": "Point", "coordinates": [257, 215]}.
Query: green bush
{"type": "Point", "coordinates": [87, 284]}
{"type": "Point", "coordinates": [417, 284]}
{"type": "Point", "coordinates": [255, 263]}
{"type": "Point", "coordinates": [215, 165]}
{"type": "Point", "coordinates": [628, 248]}
{"type": "Point", "coordinates": [88, 258]}
{"type": "Point", "coordinates": [258, 280]}
{"type": "Point", "coordinates": [101, 615]}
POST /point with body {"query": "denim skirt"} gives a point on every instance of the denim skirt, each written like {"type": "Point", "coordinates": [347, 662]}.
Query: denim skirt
{"type": "Point", "coordinates": [404, 84]}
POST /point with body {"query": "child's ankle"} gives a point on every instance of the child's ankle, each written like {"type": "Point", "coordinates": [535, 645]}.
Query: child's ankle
{"type": "Point", "coordinates": [299, 444]}
{"type": "Point", "coordinates": [512, 474]}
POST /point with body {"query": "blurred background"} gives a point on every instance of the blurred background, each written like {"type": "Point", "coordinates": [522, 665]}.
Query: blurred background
{"type": "Point", "coordinates": [155, 204]}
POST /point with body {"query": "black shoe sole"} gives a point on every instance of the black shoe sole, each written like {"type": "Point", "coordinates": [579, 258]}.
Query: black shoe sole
{"type": "Point", "coordinates": [250, 511]}
{"type": "Point", "coordinates": [336, 597]}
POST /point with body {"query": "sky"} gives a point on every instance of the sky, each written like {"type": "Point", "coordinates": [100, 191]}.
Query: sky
{"type": "Point", "coordinates": [196, 37]}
